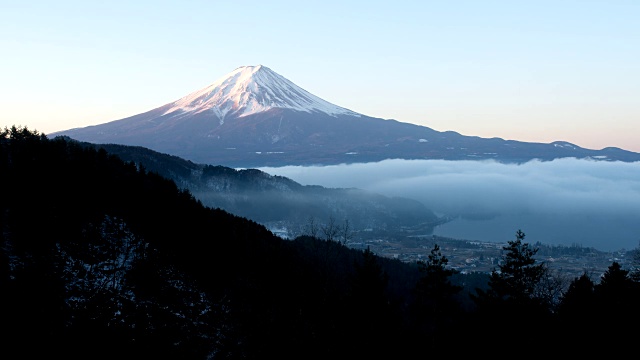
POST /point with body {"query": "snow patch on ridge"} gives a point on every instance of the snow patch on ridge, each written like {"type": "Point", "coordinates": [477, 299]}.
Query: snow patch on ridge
{"type": "Point", "coordinates": [250, 90]}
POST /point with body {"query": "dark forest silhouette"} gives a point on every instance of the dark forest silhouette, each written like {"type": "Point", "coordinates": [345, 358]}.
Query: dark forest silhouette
{"type": "Point", "coordinates": [100, 258]}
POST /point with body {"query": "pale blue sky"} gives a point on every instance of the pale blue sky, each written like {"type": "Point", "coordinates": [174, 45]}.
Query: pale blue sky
{"type": "Point", "coordinates": [525, 70]}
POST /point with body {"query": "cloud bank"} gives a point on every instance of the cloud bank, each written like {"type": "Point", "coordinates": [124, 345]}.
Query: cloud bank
{"type": "Point", "coordinates": [564, 202]}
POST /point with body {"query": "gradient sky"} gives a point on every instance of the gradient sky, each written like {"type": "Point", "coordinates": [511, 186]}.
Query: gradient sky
{"type": "Point", "coordinates": [536, 71]}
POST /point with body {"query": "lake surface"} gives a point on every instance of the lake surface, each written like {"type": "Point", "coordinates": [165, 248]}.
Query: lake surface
{"type": "Point", "coordinates": [602, 233]}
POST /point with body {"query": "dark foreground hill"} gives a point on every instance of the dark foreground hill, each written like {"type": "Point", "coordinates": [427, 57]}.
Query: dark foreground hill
{"type": "Point", "coordinates": [100, 259]}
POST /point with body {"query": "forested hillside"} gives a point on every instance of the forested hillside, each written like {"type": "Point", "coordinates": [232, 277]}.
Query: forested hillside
{"type": "Point", "coordinates": [100, 258]}
{"type": "Point", "coordinates": [278, 202]}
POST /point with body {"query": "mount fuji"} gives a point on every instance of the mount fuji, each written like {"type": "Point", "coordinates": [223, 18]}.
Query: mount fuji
{"type": "Point", "coordinates": [254, 117]}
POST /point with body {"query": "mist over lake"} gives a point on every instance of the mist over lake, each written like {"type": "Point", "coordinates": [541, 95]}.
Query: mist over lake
{"type": "Point", "coordinates": [562, 202]}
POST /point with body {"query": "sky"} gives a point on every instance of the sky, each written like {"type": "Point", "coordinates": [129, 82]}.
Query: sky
{"type": "Point", "coordinates": [561, 202]}
{"type": "Point", "coordinates": [538, 71]}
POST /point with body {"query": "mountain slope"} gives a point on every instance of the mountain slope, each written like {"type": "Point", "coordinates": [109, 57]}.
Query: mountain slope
{"type": "Point", "coordinates": [280, 203]}
{"type": "Point", "coordinates": [254, 117]}
{"type": "Point", "coordinates": [104, 259]}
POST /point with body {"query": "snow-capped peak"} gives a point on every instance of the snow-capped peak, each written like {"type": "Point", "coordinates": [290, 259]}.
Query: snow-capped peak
{"type": "Point", "coordinates": [252, 89]}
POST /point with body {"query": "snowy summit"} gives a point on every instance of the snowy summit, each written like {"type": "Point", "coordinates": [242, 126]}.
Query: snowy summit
{"type": "Point", "coordinates": [249, 90]}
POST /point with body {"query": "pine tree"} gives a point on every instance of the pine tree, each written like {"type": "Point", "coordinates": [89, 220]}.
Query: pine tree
{"type": "Point", "coordinates": [579, 297]}
{"type": "Point", "coordinates": [577, 305]}
{"type": "Point", "coordinates": [519, 274]}
{"type": "Point", "coordinates": [435, 287]}
{"type": "Point", "coordinates": [370, 308]}
{"type": "Point", "coordinates": [435, 306]}
{"type": "Point", "coordinates": [513, 300]}
{"type": "Point", "coordinates": [616, 307]}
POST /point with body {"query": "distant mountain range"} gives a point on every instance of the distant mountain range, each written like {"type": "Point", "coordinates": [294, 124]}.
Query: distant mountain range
{"type": "Point", "coordinates": [254, 117]}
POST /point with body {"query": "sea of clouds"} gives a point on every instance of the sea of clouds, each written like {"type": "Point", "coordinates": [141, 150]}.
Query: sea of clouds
{"type": "Point", "coordinates": [562, 202]}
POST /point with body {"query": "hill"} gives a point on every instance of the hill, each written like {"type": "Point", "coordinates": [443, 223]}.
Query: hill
{"type": "Point", "coordinates": [281, 204]}
{"type": "Point", "coordinates": [100, 258]}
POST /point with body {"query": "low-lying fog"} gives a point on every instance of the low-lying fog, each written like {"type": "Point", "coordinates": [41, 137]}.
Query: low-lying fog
{"type": "Point", "coordinates": [568, 201]}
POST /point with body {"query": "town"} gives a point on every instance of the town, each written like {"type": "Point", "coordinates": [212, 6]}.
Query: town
{"type": "Point", "coordinates": [474, 256]}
